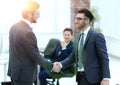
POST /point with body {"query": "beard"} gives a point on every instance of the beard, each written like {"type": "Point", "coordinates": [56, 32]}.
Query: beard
{"type": "Point", "coordinates": [80, 26]}
{"type": "Point", "coordinates": [33, 21]}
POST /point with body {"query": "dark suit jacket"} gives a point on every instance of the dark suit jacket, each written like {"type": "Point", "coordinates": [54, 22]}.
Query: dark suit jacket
{"type": "Point", "coordinates": [23, 53]}
{"type": "Point", "coordinates": [96, 62]}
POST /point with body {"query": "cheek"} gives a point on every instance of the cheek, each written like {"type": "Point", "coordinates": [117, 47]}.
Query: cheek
{"type": "Point", "coordinates": [77, 23]}
{"type": "Point", "coordinates": [38, 16]}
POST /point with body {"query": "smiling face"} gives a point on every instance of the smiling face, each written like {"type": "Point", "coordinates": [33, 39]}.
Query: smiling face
{"type": "Point", "coordinates": [67, 36]}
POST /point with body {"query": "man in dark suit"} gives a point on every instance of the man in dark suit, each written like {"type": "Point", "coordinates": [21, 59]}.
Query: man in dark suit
{"type": "Point", "coordinates": [93, 59]}
{"type": "Point", "coordinates": [23, 51]}
{"type": "Point", "coordinates": [61, 51]}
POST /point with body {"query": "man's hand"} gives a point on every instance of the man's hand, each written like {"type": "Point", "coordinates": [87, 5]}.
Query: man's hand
{"type": "Point", "coordinates": [63, 44]}
{"type": "Point", "coordinates": [57, 67]}
{"type": "Point", "coordinates": [104, 82]}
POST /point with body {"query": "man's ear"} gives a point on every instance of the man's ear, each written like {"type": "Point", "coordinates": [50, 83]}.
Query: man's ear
{"type": "Point", "coordinates": [87, 21]}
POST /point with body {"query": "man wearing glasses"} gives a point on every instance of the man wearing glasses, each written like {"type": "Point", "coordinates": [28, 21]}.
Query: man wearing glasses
{"type": "Point", "coordinates": [89, 54]}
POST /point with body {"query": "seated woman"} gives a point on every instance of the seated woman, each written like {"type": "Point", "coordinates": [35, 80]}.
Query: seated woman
{"type": "Point", "coordinates": [58, 51]}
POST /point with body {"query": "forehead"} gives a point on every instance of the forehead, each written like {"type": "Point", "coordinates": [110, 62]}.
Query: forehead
{"type": "Point", "coordinates": [67, 32]}
{"type": "Point", "coordinates": [80, 15]}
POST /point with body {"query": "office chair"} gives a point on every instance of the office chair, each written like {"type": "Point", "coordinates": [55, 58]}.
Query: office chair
{"type": "Point", "coordinates": [52, 81]}
{"type": "Point", "coordinates": [49, 49]}
{"type": "Point", "coordinates": [6, 83]}
{"type": "Point", "coordinates": [68, 72]}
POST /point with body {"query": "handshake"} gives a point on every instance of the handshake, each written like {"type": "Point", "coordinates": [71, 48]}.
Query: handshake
{"type": "Point", "coordinates": [57, 66]}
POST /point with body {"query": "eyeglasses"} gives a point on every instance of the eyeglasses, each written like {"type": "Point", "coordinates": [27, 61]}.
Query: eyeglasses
{"type": "Point", "coordinates": [79, 19]}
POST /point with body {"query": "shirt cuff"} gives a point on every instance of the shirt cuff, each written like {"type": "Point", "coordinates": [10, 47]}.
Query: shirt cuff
{"type": "Point", "coordinates": [60, 65]}
{"type": "Point", "coordinates": [106, 78]}
{"type": "Point", "coordinates": [42, 54]}
{"type": "Point", "coordinates": [63, 48]}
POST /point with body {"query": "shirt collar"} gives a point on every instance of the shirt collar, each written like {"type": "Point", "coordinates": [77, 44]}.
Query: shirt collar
{"type": "Point", "coordinates": [67, 43]}
{"type": "Point", "coordinates": [86, 31]}
{"type": "Point", "coordinates": [27, 22]}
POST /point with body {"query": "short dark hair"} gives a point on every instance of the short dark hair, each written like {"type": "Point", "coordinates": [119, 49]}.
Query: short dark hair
{"type": "Point", "coordinates": [68, 29]}
{"type": "Point", "coordinates": [87, 13]}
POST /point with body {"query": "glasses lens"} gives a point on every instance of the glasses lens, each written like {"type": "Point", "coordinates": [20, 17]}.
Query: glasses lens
{"type": "Point", "coordinates": [78, 19]}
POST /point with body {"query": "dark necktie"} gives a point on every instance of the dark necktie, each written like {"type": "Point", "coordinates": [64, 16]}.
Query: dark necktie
{"type": "Point", "coordinates": [80, 49]}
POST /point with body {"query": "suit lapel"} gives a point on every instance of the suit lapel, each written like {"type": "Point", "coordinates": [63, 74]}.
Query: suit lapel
{"type": "Point", "coordinates": [88, 37]}
{"type": "Point", "coordinates": [70, 44]}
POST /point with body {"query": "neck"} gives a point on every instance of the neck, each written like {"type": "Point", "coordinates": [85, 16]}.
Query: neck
{"type": "Point", "coordinates": [84, 28]}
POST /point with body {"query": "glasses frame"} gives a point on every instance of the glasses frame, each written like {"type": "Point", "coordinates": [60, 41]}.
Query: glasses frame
{"type": "Point", "coordinates": [79, 18]}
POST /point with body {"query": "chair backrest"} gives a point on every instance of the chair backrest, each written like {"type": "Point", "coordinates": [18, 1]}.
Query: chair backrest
{"type": "Point", "coordinates": [51, 45]}
{"type": "Point", "coordinates": [50, 48]}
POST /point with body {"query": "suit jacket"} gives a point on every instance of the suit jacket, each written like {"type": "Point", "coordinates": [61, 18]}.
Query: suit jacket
{"type": "Point", "coordinates": [24, 54]}
{"type": "Point", "coordinates": [57, 54]}
{"type": "Point", "coordinates": [95, 57]}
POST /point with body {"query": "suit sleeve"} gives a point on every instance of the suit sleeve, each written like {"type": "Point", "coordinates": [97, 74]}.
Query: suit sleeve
{"type": "Point", "coordinates": [68, 61]}
{"type": "Point", "coordinates": [102, 53]}
{"type": "Point", "coordinates": [30, 44]}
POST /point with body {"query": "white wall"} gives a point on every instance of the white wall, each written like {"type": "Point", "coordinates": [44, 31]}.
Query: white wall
{"type": "Point", "coordinates": [54, 16]}
{"type": "Point", "coordinates": [110, 15]}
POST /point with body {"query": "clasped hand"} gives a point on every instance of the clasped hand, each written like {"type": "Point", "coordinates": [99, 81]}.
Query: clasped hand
{"type": "Point", "coordinates": [56, 67]}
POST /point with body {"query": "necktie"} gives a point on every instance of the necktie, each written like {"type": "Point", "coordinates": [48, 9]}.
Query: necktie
{"type": "Point", "coordinates": [80, 49]}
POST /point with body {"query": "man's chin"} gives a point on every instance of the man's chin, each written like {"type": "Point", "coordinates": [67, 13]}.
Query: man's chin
{"type": "Point", "coordinates": [76, 27]}
{"type": "Point", "coordinates": [34, 21]}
